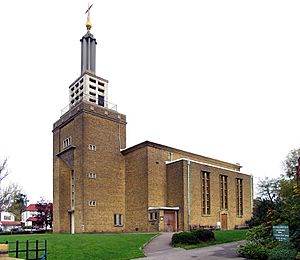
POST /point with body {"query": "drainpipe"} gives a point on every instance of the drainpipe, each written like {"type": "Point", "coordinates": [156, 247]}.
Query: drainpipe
{"type": "Point", "coordinates": [251, 195]}
{"type": "Point", "coordinates": [188, 194]}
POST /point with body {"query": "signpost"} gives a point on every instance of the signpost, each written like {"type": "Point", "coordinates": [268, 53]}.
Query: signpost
{"type": "Point", "coordinates": [281, 232]}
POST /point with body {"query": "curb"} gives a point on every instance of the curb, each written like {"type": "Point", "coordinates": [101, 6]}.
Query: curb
{"type": "Point", "coordinates": [142, 247]}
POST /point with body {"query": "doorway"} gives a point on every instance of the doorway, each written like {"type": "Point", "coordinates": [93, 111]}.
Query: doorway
{"type": "Point", "coordinates": [169, 221]}
{"type": "Point", "coordinates": [224, 221]}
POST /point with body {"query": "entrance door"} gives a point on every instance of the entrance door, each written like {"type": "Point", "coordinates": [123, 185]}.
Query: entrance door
{"type": "Point", "coordinates": [224, 221]}
{"type": "Point", "coordinates": [169, 220]}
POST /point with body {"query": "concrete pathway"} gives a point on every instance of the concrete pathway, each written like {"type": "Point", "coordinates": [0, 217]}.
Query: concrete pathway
{"type": "Point", "coordinates": [160, 249]}
{"type": "Point", "coordinates": [160, 243]}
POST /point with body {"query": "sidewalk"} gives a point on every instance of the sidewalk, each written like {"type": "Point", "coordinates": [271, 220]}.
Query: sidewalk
{"type": "Point", "coordinates": [160, 249]}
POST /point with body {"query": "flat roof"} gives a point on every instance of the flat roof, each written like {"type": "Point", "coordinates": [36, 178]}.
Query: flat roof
{"type": "Point", "coordinates": [171, 149]}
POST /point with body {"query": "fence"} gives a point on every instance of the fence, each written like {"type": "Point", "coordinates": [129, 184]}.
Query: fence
{"type": "Point", "coordinates": [30, 250]}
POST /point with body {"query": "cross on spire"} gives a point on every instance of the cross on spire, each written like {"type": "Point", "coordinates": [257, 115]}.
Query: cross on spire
{"type": "Point", "coordinates": [88, 22]}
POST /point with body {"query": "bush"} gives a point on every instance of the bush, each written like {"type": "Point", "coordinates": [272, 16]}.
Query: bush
{"type": "Point", "coordinates": [187, 238]}
{"type": "Point", "coordinates": [254, 250]}
{"type": "Point", "coordinates": [192, 238]}
{"type": "Point", "coordinates": [259, 233]}
{"type": "Point", "coordinates": [204, 235]}
{"type": "Point", "coordinates": [284, 251]}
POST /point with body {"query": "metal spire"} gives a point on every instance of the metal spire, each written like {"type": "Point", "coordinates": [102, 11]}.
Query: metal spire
{"type": "Point", "coordinates": [88, 22]}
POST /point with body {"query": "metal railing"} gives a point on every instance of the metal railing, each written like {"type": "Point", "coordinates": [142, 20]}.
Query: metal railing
{"type": "Point", "coordinates": [30, 250]}
{"type": "Point", "coordinates": [87, 98]}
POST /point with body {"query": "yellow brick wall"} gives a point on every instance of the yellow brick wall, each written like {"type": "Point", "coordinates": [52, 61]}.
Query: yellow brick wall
{"type": "Point", "coordinates": [178, 194]}
{"type": "Point", "coordinates": [136, 192]}
{"type": "Point", "coordinates": [107, 130]}
{"type": "Point", "coordinates": [108, 189]}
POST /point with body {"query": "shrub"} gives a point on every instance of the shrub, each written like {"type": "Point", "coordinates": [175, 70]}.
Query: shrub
{"type": "Point", "coordinates": [284, 251]}
{"type": "Point", "coordinates": [254, 250]}
{"type": "Point", "coordinates": [192, 238]}
{"type": "Point", "coordinates": [187, 238]}
{"type": "Point", "coordinates": [259, 233]}
{"type": "Point", "coordinates": [204, 235]}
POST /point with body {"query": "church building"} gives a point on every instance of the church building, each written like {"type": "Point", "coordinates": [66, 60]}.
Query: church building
{"type": "Point", "coordinates": [101, 185]}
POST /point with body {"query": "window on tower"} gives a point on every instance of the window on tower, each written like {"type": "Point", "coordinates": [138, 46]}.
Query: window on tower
{"type": "Point", "coordinates": [67, 142]}
{"type": "Point", "coordinates": [101, 101]}
{"type": "Point", "coordinates": [92, 175]}
{"type": "Point", "coordinates": [92, 80]}
{"type": "Point", "coordinates": [92, 147]}
{"type": "Point", "coordinates": [92, 203]}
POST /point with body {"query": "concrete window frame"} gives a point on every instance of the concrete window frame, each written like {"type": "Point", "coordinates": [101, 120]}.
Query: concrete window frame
{"type": "Point", "coordinates": [92, 147]}
{"type": "Point", "coordinates": [67, 142]}
{"type": "Point", "coordinates": [92, 203]}
{"type": "Point", "coordinates": [118, 220]}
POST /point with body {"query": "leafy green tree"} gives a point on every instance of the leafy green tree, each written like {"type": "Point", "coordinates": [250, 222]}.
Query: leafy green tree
{"type": "Point", "coordinates": [19, 205]}
{"type": "Point", "coordinates": [262, 209]}
{"type": "Point", "coordinates": [289, 165]}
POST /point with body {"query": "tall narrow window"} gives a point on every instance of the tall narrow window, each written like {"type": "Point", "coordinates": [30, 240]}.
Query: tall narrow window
{"type": "Point", "coordinates": [239, 197]}
{"type": "Point", "coordinates": [205, 193]}
{"type": "Point", "coordinates": [72, 191]}
{"type": "Point", "coordinates": [224, 192]}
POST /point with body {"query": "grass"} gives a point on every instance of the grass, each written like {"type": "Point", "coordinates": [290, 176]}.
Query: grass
{"type": "Point", "coordinates": [87, 246]}
{"type": "Point", "coordinates": [221, 237]}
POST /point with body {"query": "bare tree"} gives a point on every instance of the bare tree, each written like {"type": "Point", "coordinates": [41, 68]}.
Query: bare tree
{"type": "Point", "coordinates": [3, 170]}
{"type": "Point", "coordinates": [7, 192]}
{"type": "Point", "coordinates": [268, 188]}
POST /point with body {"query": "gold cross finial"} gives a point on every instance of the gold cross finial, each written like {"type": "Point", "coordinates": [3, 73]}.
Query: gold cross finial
{"type": "Point", "coordinates": [88, 22]}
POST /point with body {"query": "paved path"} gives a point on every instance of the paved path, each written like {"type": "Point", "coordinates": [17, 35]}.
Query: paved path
{"type": "Point", "coordinates": [159, 249]}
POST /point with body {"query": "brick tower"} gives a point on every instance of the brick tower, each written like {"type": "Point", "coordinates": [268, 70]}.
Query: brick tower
{"type": "Point", "coordinates": [88, 167]}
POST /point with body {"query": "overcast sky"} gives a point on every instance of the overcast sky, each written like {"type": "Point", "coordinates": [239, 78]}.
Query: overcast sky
{"type": "Point", "coordinates": [217, 78]}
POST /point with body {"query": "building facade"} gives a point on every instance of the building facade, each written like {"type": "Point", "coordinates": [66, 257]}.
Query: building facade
{"type": "Point", "coordinates": [100, 185]}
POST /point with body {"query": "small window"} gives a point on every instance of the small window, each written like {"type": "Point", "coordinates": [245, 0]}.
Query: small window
{"type": "Point", "coordinates": [92, 175]}
{"type": "Point", "coordinates": [81, 80]}
{"type": "Point", "coordinates": [101, 84]}
{"type": "Point", "coordinates": [93, 87]}
{"type": "Point", "coordinates": [92, 203]}
{"type": "Point", "coordinates": [77, 84]}
{"type": "Point", "coordinates": [92, 80]}
{"type": "Point", "coordinates": [92, 93]}
{"type": "Point", "coordinates": [153, 216]}
{"type": "Point", "coordinates": [101, 90]}
{"type": "Point", "coordinates": [101, 101]}
{"type": "Point", "coordinates": [92, 100]}
{"type": "Point", "coordinates": [92, 147]}
{"type": "Point", "coordinates": [7, 217]}
{"type": "Point", "coordinates": [67, 142]}
{"type": "Point", "coordinates": [118, 220]}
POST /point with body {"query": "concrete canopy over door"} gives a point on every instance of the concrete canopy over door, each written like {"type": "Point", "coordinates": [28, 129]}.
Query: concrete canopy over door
{"type": "Point", "coordinates": [168, 218]}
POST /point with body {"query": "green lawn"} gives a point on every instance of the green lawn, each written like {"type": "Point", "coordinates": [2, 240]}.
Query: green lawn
{"type": "Point", "coordinates": [221, 236]}
{"type": "Point", "coordinates": [88, 246]}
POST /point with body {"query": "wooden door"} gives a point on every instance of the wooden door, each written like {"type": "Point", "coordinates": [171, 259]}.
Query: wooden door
{"type": "Point", "coordinates": [169, 221]}
{"type": "Point", "coordinates": [224, 221]}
